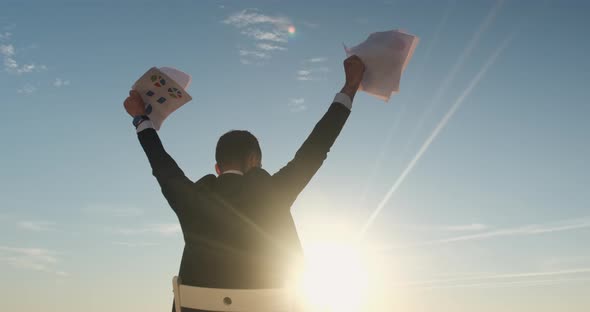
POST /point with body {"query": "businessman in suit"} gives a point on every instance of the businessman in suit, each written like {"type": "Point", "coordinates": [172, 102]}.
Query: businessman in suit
{"type": "Point", "coordinates": [237, 226]}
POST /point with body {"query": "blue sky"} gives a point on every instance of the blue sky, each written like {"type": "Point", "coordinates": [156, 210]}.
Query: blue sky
{"type": "Point", "coordinates": [484, 151]}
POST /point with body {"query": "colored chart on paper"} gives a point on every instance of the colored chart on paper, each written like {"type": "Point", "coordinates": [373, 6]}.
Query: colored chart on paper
{"type": "Point", "coordinates": [161, 94]}
{"type": "Point", "coordinates": [175, 93]}
{"type": "Point", "coordinates": [158, 80]}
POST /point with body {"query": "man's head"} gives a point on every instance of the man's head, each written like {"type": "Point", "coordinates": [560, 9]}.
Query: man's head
{"type": "Point", "coordinates": [237, 150]}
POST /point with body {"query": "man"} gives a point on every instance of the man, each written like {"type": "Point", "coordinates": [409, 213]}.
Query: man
{"type": "Point", "coordinates": [237, 227]}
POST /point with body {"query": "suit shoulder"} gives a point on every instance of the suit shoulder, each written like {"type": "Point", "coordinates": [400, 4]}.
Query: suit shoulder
{"type": "Point", "coordinates": [257, 173]}
{"type": "Point", "coordinates": [206, 180]}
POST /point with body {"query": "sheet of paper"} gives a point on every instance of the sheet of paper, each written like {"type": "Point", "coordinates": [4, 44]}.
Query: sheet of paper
{"type": "Point", "coordinates": [180, 77]}
{"type": "Point", "coordinates": [385, 55]}
{"type": "Point", "coordinates": [161, 93]}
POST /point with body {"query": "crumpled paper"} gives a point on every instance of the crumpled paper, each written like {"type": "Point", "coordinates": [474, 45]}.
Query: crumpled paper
{"type": "Point", "coordinates": [385, 55]}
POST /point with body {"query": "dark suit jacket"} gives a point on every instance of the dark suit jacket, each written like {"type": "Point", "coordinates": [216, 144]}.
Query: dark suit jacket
{"type": "Point", "coordinates": [238, 230]}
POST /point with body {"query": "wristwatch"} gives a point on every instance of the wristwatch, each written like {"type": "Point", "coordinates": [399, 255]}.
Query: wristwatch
{"type": "Point", "coordinates": [137, 120]}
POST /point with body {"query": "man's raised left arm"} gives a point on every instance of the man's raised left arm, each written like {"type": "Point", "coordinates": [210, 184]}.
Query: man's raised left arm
{"type": "Point", "coordinates": [171, 178]}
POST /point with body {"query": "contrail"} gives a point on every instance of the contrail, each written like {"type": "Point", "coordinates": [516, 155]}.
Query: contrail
{"type": "Point", "coordinates": [531, 229]}
{"type": "Point", "coordinates": [450, 78]}
{"type": "Point", "coordinates": [530, 283]}
{"type": "Point", "coordinates": [436, 131]}
{"type": "Point", "coordinates": [501, 276]}
{"type": "Point", "coordinates": [403, 106]}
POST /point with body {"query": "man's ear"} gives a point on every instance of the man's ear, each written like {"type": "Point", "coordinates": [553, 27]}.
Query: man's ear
{"type": "Point", "coordinates": [217, 169]}
{"type": "Point", "coordinates": [253, 161]}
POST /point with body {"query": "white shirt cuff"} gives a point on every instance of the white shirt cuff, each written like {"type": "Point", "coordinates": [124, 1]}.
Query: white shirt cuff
{"type": "Point", "coordinates": [146, 124]}
{"type": "Point", "coordinates": [344, 100]}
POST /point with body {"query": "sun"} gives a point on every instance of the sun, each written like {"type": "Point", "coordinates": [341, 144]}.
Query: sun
{"type": "Point", "coordinates": [335, 277]}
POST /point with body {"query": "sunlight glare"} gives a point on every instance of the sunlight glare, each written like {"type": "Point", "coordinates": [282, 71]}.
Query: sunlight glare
{"type": "Point", "coordinates": [335, 277]}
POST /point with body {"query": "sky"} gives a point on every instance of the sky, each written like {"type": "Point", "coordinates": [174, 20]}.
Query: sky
{"type": "Point", "coordinates": [469, 188]}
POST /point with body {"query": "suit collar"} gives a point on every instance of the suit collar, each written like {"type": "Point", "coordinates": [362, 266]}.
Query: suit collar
{"type": "Point", "coordinates": [232, 172]}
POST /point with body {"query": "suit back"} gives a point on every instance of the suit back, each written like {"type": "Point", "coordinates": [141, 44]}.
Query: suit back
{"type": "Point", "coordinates": [238, 233]}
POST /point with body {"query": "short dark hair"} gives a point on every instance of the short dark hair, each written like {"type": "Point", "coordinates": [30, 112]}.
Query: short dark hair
{"type": "Point", "coordinates": [235, 146]}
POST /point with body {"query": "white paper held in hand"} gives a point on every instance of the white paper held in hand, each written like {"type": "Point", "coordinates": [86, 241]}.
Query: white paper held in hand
{"type": "Point", "coordinates": [163, 91]}
{"type": "Point", "coordinates": [385, 55]}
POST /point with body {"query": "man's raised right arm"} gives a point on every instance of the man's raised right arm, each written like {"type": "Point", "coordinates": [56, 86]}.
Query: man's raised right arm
{"type": "Point", "coordinates": [292, 179]}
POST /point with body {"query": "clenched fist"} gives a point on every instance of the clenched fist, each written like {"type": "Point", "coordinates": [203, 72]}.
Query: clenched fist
{"type": "Point", "coordinates": [354, 69]}
{"type": "Point", "coordinates": [134, 105]}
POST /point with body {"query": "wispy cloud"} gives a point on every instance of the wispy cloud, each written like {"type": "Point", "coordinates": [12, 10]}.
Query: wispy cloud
{"type": "Point", "coordinates": [268, 32]}
{"type": "Point", "coordinates": [251, 18]}
{"type": "Point", "coordinates": [504, 284]}
{"type": "Point", "coordinates": [36, 226]}
{"type": "Point", "coordinates": [525, 230]}
{"type": "Point", "coordinates": [297, 104]}
{"type": "Point", "coordinates": [165, 229]}
{"type": "Point", "coordinates": [113, 210]}
{"type": "Point", "coordinates": [304, 74]}
{"type": "Point", "coordinates": [312, 69]}
{"type": "Point", "coordinates": [8, 52]}
{"type": "Point", "coordinates": [12, 62]}
{"type": "Point", "coordinates": [5, 36]}
{"type": "Point", "coordinates": [562, 260]}
{"type": "Point", "coordinates": [317, 59]}
{"type": "Point", "coordinates": [246, 61]}
{"type": "Point", "coordinates": [27, 89]}
{"type": "Point", "coordinates": [269, 47]}
{"type": "Point", "coordinates": [135, 244]}
{"type": "Point", "coordinates": [7, 49]}
{"type": "Point", "coordinates": [499, 280]}
{"type": "Point", "coordinates": [318, 73]}
{"type": "Point", "coordinates": [258, 34]}
{"type": "Point", "coordinates": [37, 259]}
{"type": "Point", "coordinates": [58, 82]}
{"type": "Point", "coordinates": [254, 54]}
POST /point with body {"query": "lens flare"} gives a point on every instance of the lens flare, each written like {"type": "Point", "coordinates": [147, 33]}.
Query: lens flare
{"type": "Point", "coordinates": [335, 278]}
{"type": "Point", "coordinates": [291, 30]}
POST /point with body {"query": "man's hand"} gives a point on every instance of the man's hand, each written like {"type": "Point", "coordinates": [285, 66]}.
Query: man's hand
{"type": "Point", "coordinates": [134, 105]}
{"type": "Point", "coordinates": [354, 70]}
